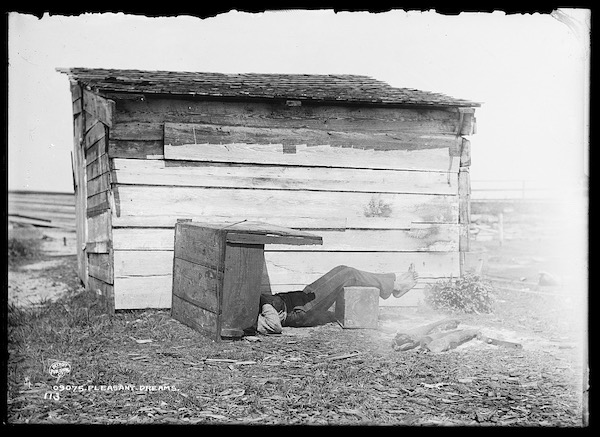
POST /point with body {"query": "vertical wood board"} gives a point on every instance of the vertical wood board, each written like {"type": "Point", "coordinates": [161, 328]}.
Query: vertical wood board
{"type": "Point", "coordinates": [241, 286]}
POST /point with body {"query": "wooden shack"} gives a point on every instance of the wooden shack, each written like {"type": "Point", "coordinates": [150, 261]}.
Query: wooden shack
{"type": "Point", "coordinates": [381, 173]}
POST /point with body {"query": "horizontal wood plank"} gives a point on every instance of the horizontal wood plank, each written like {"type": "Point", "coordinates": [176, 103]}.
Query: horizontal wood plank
{"type": "Point", "coordinates": [199, 245]}
{"type": "Point", "coordinates": [98, 184]}
{"type": "Point", "coordinates": [143, 239]}
{"type": "Point", "coordinates": [142, 263]}
{"type": "Point", "coordinates": [316, 156]}
{"type": "Point", "coordinates": [196, 284]}
{"type": "Point", "coordinates": [266, 114]}
{"type": "Point", "coordinates": [214, 175]}
{"type": "Point", "coordinates": [98, 247]}
{"type": "Point", "coordinates": [143, 292]}
{"type": "Point", "coordinates": [168, 221]}
{"type": "Point", "coordinates": [196, 318]}
{"type": "Point", "coordinates": [94, 134]}
{"type": "Point", "coordinates": [204, 204]}
{"type": "Point", "coordinates": [135, 149]}
{"type": "Point", "coordinates": [421, 237]}
{"type": "Point", "coordinates": [304, 268]}
{"type": "Point", "coordinates": [137, 131]}
{"type": "Point", "coordinates": [179, 134]}
{"type": "Point", "coordinates": [99, 228]}
{"type": "Point", "coordinates": [97, 149]}
{"type": "Point", "coordinates": [100, 266]}
{"type": "Point", "coordinates": [98, 200]}
{"type": "Point", "coordinates": [287, 267]}
{"type": "Point", "coordinates": [98, 166]}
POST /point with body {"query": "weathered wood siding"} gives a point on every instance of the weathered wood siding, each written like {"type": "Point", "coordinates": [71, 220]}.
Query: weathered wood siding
{"type": "Point", "coordinates": [380, 185]}
{"type": "Point", "coordinates": [96, 120]}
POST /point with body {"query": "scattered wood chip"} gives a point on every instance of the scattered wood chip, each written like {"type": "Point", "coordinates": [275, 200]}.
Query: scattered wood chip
{"type": "Point", "coordinates": [141, 357]}
{"type": "Point", "coordinates": [141, 341]}
{"type": "Point", "coordinates": [252, 338]}
{"type": "Point", "coordinates": [342, 356]}
{"type": "Point", "coordinates": [438, 385]}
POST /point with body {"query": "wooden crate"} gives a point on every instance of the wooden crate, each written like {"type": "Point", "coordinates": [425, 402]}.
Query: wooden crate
{"type": "Point", "coordinates": [217, 273]}
{"type": "Point", "coordinates": [358, 307]}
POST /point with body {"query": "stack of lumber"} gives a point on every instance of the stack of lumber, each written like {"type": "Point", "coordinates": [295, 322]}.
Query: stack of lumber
{"type": "Point", "coordinates": [42, 209]}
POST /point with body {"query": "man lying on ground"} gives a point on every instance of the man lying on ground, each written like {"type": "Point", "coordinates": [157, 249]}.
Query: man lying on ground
{"type": "Point", "coordinates": [309, 307]}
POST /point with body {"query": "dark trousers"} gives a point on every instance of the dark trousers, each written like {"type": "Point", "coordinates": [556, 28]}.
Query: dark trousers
{"type": "Point", "coordinates": [328, 287]}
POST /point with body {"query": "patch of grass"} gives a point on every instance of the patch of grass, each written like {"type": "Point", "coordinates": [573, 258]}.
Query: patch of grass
{"type": "Point", "coordinates": [469, 294]}
{"type": "Point", "coordinates": [23, 249]}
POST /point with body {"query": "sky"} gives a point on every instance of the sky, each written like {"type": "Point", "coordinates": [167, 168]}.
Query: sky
{"type": "Point", "coordinates": [531, 72]}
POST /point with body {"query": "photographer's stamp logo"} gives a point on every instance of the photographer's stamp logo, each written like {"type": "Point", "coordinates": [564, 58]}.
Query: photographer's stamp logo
{"type": "Point", "coordinates": [58, 369]}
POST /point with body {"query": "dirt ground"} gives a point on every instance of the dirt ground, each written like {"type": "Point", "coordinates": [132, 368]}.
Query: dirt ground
{"type": "Point", "coordinates": [145, 367]}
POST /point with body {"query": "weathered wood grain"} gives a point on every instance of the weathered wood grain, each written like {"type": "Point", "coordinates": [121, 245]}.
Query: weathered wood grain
{"type": "Point", "coordinates": [98, 184]}
{"type": "Point", "coordinates": [194, 317]}
{"type": "Point", "coordinates": [79, 158]}
{"type": "Point", "coordinates": [142, 263]}
{"type": "Point", "coordinates": [200, 246]}
{"type": "Point", "coordinates": [77, 107]}
{"type": "Point", "coordinates": [303, 268]}
{"type": "Point", "coordinates": [97, 149]}
{"type": "Point", "coordinates": [104, 289]}
{"type": "Point", "coordinates": [100, 266]}
{"type": "Point", "coordinates": [203, 204]}
{"type": "Point", "coordinates": [215, 175]}
{"type": "Point", "coordinates": [99, 227]}
{"type": "Point", "coordinates": [98, 200]}
{"type": "Point", "coordinates": [196, 284]}
{"type": "Point", "coordinates": [465, 154]}
{"type": "Point", "coordinates": [96, 133]}
{"type": "Point", "coordinates": [98, 247]}
{"type": "Point", "coordinates": [241, 287]}
{"type": "Point", "coordinates": [137, 131]}
{"type": "Point", "coordinates": [75, 91]}
{"type": "Point", "coordinates": [285, 267]}
{"type": "Point", "coordinates": [168, 221]}
{"type": "Point", "coordinates": [265, 114]}
{"type": "Point", "coordinates": [98, 166]}
{"type": "Point", "coordinates": [135, 149]}
{"type": "Point", "coordinates": [315, 156]}
{"type": "Point", "coordinates": [464, 208]}
{"type": "Point", "coordinates": [143, 292]}
{"type": "Point", "coordinates": [99, 107]}
{"type": "Point", "coordinates": [178, 134]}
{"type": "Point", "coordinates": [468, 124]}
{"type": "Point", "coordinates": [421, 237]}
{"type": "Point", "coordinates": [143, 239]}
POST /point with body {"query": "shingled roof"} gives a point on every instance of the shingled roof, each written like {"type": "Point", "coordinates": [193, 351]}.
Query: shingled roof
{"type": "Point", "coordinates": [306, 87]}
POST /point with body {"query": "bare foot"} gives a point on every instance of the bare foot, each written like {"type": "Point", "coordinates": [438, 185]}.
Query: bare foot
{"type": "Point", "coordinates": [405, 281]}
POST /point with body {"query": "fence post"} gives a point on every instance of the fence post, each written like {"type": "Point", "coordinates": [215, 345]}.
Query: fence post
{"type": "Point", "coordinates": [500, 227]}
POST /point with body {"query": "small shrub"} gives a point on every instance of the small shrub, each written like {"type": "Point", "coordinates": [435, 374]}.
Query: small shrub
{"type": "Point", "coordinates": [23, 249]}
{"type": "Point", "coordinates": [469, 294]}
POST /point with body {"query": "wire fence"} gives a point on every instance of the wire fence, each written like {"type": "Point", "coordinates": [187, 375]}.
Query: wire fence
{"type": "Point", "coordinates": [483, 190]}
